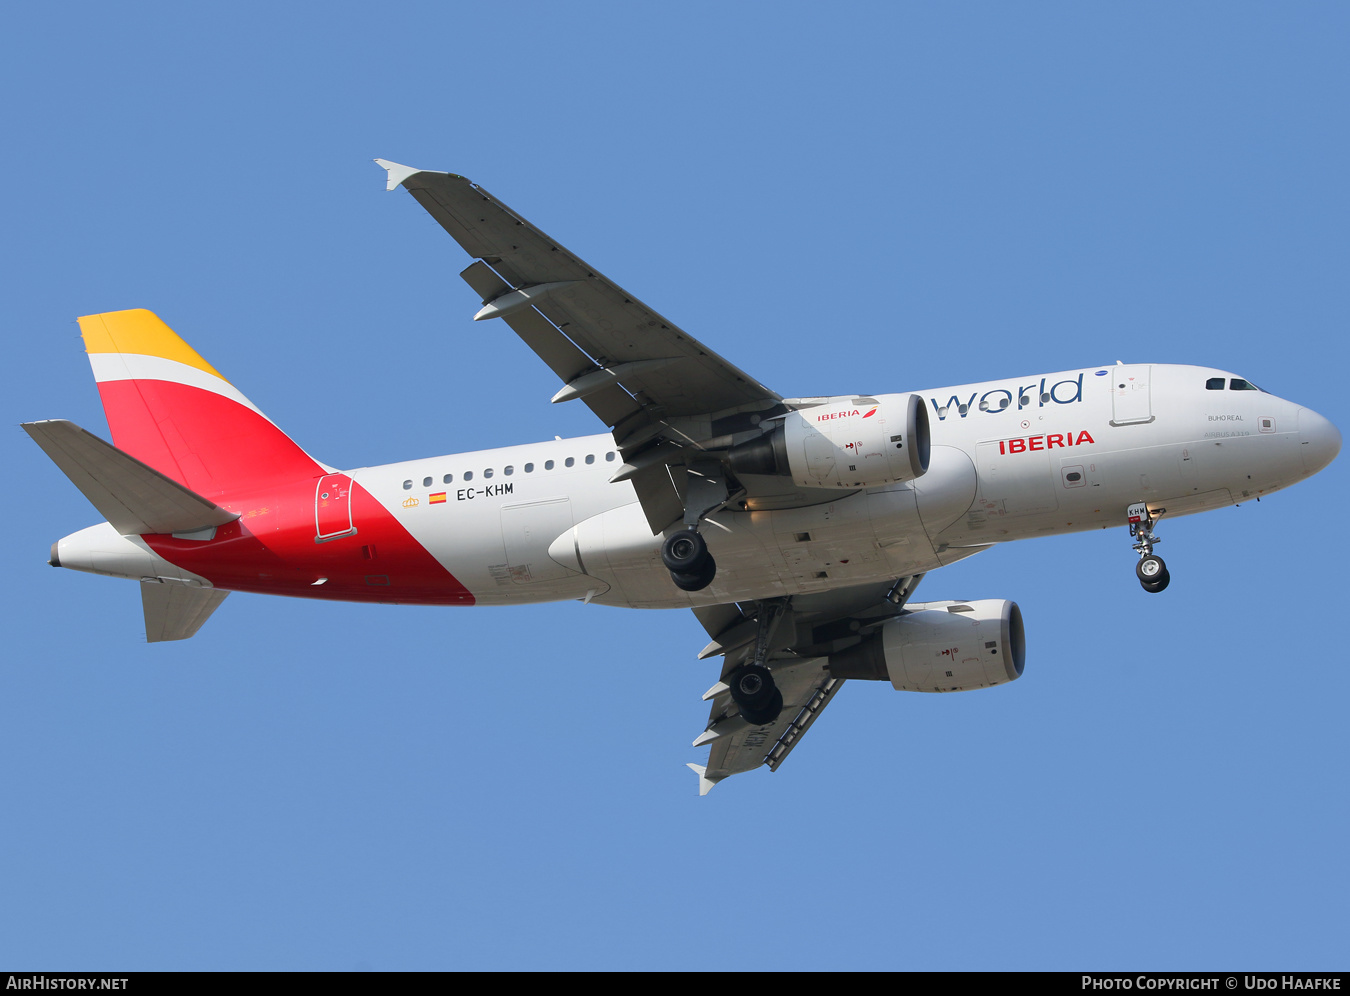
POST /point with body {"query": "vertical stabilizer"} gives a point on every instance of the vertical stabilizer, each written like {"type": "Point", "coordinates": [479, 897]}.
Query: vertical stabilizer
{"type": "Point", "coordinates": [170, 409]}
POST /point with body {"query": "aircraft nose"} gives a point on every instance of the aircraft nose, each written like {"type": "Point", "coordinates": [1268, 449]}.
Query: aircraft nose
{"type": "Point", "coordinates": [1319, 440]}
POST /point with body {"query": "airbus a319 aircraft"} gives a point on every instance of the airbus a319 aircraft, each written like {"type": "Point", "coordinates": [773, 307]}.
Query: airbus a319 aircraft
{"type": "Point", "coordinates": [796, 529]}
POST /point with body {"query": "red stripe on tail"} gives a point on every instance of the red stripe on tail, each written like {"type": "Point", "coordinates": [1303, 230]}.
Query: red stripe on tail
{"type": "Point", "coordinates": [207, 442]}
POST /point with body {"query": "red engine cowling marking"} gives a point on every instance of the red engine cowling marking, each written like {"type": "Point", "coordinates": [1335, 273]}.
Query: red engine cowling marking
{"type": "Point", "coordinates": [271, 549]}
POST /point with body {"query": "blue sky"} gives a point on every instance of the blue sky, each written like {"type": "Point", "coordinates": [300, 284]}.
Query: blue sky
{"type": "Point", "coordinates": [843, 198]}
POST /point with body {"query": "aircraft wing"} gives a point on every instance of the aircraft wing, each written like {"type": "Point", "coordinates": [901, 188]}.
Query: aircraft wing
{"type": "Point", "coordinates": [641, 354]}
{"type": "Point", "coordinates": [660, 390]}
{"type": "Point", "coordinates": [812, 627]}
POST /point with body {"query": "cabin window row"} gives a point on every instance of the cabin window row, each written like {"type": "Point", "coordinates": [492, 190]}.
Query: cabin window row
{"type": "Point", "coordinates": [507, 471]}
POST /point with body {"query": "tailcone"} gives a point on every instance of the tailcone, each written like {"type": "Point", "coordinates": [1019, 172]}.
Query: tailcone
{"type": "Point", "coordinates": [103, 550]}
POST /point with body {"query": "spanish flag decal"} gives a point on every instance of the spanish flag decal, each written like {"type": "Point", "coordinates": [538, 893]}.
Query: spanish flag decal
{"type": "Point", "coordinates": [438, 499]}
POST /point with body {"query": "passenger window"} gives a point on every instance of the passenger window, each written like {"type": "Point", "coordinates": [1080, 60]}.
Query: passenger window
{"type": "Point", "coordinates": [508, 470]}
{"type": "Point", "coordinates": [447, 478]}
{"type": "Point", "coordinates": [1238, 384]}
{"type": "Point", "coordinates": [609, 457]}
{"type": "Point", "coordinates": [548, 464]}
{"type": "Point", "coordinates": [529, 468]}
{"type": "Point", "coordinates": [569, 462]}
{"type": "Point", "coordinates": [426, 482]}
{"type": "Point", "coordinates": [1214, 384]}
{"type": "Point", "coordinates": [407, 485]}
{"type": "Point", "coordinates": [488, 472]}
{"type": "Point", "coordinates": [468, 475]}
{"type": "Point", "coordinates": [590, 458]}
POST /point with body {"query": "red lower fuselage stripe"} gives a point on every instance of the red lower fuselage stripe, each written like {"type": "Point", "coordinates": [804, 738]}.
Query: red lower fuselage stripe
{"type": "Point", "coordinates": [272, 549]}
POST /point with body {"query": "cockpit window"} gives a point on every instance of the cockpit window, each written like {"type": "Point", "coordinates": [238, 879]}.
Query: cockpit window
{"type": "Point", "coordinates": [1238, 384]}
{"type": "Point", "coordinates": [1214, 384]}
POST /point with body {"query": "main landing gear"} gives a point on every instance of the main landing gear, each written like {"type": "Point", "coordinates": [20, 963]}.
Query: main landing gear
{"type": "Point", "coordinates": [685, 553]}
{"type": "Point", "coordinates": [686, 556]}
{"type": "Point", "coordinates": [752, 686]}
{"type": "Point", "coordinates": [1151, 570]}
{"type": "Point", "coordinates": [754, 690]}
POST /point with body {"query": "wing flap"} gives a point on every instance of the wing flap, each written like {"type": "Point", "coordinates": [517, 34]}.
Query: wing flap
{"type": "Point", "coordinates": [134, 497]}
{"type": "Point", "coordinates": [812, 627]}
{"type": "Point", "coordinates": [824, 692]}
{"type": "Point", "coordinates": [804, 687]}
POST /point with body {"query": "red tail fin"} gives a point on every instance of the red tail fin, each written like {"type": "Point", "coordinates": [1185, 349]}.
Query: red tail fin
{"type": "Point", "coordinates": [168, 407]}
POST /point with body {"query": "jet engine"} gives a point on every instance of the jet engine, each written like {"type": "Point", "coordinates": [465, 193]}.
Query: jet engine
{"type": "Point", "coordinates": [849, 442]}
{"type": "Point", "coordinates": [941, 647]}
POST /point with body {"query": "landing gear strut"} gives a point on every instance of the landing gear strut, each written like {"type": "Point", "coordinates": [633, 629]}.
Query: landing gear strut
{"type": "Point", "coordinates": [1151, 570]}
{"type": "Point", "coordinates": [685, 553]}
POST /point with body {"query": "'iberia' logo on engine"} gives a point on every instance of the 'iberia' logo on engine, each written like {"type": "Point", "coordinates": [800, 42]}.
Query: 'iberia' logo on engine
{"type": "Point", "coordinates": [1047, 442]}
{"type": "Point", "coordinates": [856, 411]}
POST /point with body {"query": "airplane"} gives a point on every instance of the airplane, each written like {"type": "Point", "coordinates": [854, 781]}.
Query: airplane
{"type": "Point", "coordinates": [796, 529]}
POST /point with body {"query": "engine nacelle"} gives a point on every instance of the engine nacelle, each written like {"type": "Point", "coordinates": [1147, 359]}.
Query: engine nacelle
{"type": "Point", "coordinates": [941, 647]}
{"type": "Point", "coordinates": [849, 442]}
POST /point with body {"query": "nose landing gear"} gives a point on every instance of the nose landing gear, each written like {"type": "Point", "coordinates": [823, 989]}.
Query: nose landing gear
{"type": "Point", "coordinates": [1151, 570]}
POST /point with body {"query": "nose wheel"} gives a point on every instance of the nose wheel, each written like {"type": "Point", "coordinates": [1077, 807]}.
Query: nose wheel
{"type": "Point", "coordinates": [1151, 570]}
{"type": "Point", "coordinates": [1152, 573]}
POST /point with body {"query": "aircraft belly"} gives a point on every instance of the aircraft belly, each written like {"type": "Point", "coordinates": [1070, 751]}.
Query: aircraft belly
{"type": "Point", "coordinates": [857, 539]}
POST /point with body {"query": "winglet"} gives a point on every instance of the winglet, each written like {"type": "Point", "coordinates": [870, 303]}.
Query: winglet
{"type": "Point", "coordinates": [397, 172]}
{"type": "Point", "coordinates": [705, 783]}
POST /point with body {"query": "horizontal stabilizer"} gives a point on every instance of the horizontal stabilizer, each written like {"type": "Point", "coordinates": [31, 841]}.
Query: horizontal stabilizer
{"type": "Point", "coordinates": [135, 498]}
{"type": "Point", "coordinates": [176, 611]}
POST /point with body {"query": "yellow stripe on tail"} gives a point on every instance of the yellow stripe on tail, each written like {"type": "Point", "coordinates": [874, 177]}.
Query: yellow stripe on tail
{"type": "Point", "coordinates": [139, 331]}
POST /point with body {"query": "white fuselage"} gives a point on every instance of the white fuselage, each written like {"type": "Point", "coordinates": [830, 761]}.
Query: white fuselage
{"type": "Point", "coordinates": [1010, 460]}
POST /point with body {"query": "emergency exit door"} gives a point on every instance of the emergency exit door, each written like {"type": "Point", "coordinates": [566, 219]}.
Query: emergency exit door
{"type": "Point", "coordinates": [333, 508]}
